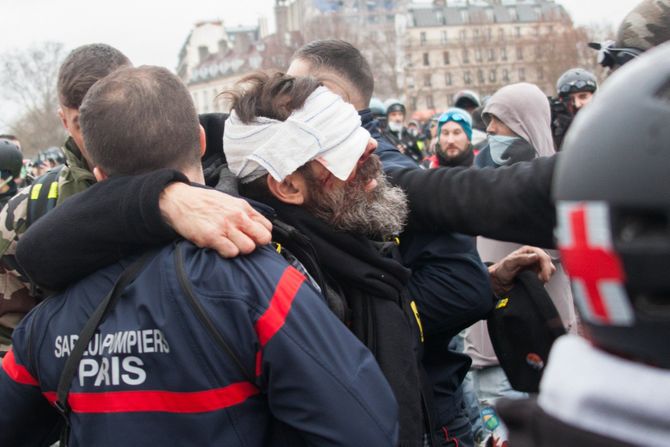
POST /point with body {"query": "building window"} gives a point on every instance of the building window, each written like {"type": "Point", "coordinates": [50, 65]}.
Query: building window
{"type": "Point", "coordinates": [540, 73]}
{"type": "Point", "coordinates": [492, 75]}
{"type": "Point", "coordinates": [426, 59]}
{"type": "Point", "coordinates": [503, 54]}
{"type": "Point", "coordinates": [517, 31]}
{"type": "Point", "coordinates": [519, 53]}
{"type": "Point", "coordinates": [413, 102]}
{"type": "Point", "coordinates": [447, 79]}
{"type": "Point", "coordinates": [478, 54]}
{"type": "Point", "coordinates": [538, 52]}
{"type": "Point", "coordinates": [466, 78]}
{"type": "Point", "coordinates": [501, 34]}
{"type": "Point", "coordinates": [488, 34]}
{"type": "Point", "coordinates": [427, 80]}
{"type": "Point", "coordinates": [505, 75]}
{"type": "Point", "coordinates": [480, 76]}
{"type": "Point", "coordinates": [492, 54]}
{"type": "Point", "coordinates": [462, 34]}
{"type": "Point", "coordinates": [550, 29]}
{"type": "Point", "coordinates": [445, 57]}
{"type": "Point", "coordinates": [444, 37]}
{"type": "Point", "coordinates": [429, 102]}
{"type": "Point", "coordinates": [422, 37]}
{"type": "Point", "coordinates": [522, 74]}
{"type": "Point", "coordinates": [466, 56]}
{"type": "Point", "coordinates": [475, 34]}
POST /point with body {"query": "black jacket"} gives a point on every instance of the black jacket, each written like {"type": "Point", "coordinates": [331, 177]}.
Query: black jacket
{"type": "Point", "coordinates": [509, 203]}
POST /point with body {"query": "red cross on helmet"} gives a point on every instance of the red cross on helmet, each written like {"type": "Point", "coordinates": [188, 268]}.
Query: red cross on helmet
{"type": "Point", "coordinates": [612, 192]}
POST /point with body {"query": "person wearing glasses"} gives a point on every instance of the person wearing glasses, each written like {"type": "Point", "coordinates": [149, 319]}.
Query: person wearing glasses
{"type": "Point", "coordinates": [454, 140]}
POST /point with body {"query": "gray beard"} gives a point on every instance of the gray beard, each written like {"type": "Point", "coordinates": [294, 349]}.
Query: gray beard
{"type": "Point", "coordinates": [377, 214]}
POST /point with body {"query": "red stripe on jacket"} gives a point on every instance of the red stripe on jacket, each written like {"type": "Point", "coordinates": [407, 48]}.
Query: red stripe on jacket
{"type": "Point", "coordinates": [162, 401]}
{"type": "Point", "coordinates": [280, 305]}
{"type": "Point", "coordinates": [18, 373]}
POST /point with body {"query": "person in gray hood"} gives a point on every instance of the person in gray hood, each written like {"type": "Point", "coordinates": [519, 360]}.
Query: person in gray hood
{"type": "Point", "coordinates": [518, 122]}
{"type": "Point", "coordinates": [519, 129]}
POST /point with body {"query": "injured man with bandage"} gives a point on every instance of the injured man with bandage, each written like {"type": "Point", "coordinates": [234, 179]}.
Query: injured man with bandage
{"type": "Point", "coordinates": [300, 149]}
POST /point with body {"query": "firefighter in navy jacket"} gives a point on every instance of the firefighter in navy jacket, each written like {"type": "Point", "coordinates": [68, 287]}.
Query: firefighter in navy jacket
{"type": "Point", "coordinates": [152, 373]}
{"type": "Point", "coordinates": [153, 376]}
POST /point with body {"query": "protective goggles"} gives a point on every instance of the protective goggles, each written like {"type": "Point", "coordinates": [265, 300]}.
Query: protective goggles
{"type": "Point", "coordinates": [578, 85]}
{"type": "Point", "coordinates": [453, 116]}
{"type": "Point", "coordinates": [611, 56]}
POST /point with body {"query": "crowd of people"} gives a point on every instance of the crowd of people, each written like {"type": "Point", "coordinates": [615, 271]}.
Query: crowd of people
{"type": "Point", "coordinates": [313, 268]}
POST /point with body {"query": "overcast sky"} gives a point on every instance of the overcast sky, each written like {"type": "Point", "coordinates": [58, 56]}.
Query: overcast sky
{"type": "Point", "coordinates": [152, 32]}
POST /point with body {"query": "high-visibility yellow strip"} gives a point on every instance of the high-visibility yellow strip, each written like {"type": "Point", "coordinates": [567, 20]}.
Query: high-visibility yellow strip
{"type": "Point", "coordinates": [35, 192]}
{"type": "Point", "coordinates": [502, 303]}
{"type": "Point", "coordinates": [53, 191]}
{"type": "Point", "coordinates": [418, 319]}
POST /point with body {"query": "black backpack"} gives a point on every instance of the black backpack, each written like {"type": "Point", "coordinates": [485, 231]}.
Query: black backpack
{"type": "Point", "coordinates": [523, 326]}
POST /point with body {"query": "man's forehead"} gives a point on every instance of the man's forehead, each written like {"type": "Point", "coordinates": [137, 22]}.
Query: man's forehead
{"type": "Point", "coordinates": [330, 79]}
{"type": "Point", "coordinates": [299, 67]}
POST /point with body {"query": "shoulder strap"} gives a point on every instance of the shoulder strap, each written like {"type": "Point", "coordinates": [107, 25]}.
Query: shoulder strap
{"type": "Point", "coordinates": [218, 337]}
{"type": "Point", "coordinates": [72, 363]}
{"type": "Point", "coordinates": [43, 195]}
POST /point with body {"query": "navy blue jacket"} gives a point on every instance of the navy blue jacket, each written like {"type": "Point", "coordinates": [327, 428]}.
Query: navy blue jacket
{"type": "Point", "coordinates": [449, 283]}
{"type": "Point", "coordinates": [449, 280]}
{"type": "Point", "coordinates": [152, 375]}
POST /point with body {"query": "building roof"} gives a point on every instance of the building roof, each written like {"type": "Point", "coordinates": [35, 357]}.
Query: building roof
{"type": "Point", "coordinates": [433, 16]}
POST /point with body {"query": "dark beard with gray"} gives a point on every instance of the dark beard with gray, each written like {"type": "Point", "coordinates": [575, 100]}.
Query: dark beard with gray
{"type": "Point", "coordinates": [377, 214]}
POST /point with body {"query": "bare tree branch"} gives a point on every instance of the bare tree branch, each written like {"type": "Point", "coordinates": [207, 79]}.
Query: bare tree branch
{"type": "Point", "coordinates": [28, 79]}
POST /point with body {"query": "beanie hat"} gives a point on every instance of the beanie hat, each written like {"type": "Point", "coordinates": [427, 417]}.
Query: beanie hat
{"type": "Point", "coordinates": [459, 116]}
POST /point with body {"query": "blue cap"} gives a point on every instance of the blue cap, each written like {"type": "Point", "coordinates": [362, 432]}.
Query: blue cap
{"type": "Point", "coordinates": [459, 116]}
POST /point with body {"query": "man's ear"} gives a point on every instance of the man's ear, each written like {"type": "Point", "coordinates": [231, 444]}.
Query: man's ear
{"type": "Point", "coordinates": [203, 141]}
{"type": "Point", "coordinates": [61, 115]}
{"type": "Point", "coordinates": [291, 190]}
{"type": "Point", "coordinates": [99, 174]}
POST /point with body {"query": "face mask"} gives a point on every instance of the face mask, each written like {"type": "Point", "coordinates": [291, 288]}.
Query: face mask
{"type": "Point", "coordinates": [395, 127]}
{"type": "Point", "coordinates": [498, 144]}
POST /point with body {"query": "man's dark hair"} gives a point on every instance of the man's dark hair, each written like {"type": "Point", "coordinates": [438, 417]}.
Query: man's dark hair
{"type": "Point", "coordinates": [343, 58]}
{"type": "Point", "coordinates": [273, 96]}
{"type": "Point", "coordinates": [7, 136]}
{"type": "Point", "coordinates": [138, 120]}
{"type": "Point", "coordinates": [83, 67]}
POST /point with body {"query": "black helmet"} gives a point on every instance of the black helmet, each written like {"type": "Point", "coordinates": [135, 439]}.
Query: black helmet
{"type": "Point", "coordinates": [576, 80]}
{"type": "Point", "coordinates": [377, 107]}
{"type": "Point", "coordinates": [53, 154]}
{"type": "Point", "coordinates": [11, 158]}
{"type": "Point", "coordinates": [395, 107]}
{"type": "Point", "coordinates": [467, 99]}
{"type": "Point", "coordinates": [613, 201]}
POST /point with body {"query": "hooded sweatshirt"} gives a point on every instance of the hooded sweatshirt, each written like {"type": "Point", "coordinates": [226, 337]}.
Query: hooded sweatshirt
{"type": "Point", "coordinates": [525, 110]}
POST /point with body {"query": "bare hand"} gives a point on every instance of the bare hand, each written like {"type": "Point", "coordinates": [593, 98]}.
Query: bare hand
{"type": "Point", "coordinates": [212, 219]}
{"type": "Point", "coordinates": [503, 272]}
